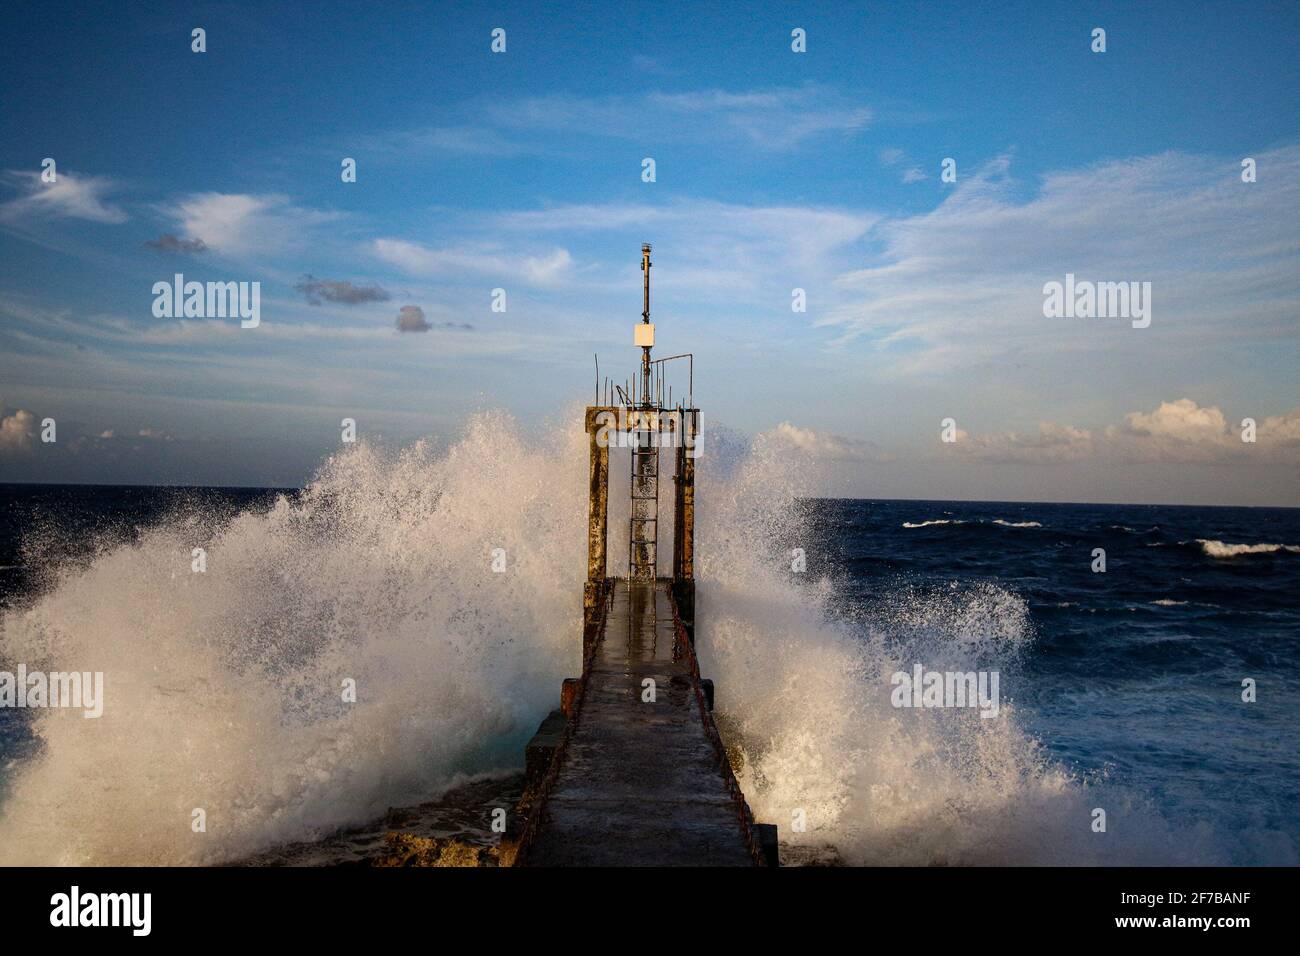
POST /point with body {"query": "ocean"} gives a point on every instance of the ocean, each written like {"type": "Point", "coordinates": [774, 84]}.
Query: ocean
{"type": "Point", "coordinates": [1121, 690]}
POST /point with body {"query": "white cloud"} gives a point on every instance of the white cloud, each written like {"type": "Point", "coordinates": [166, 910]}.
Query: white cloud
{"type": "Point", "coordinates": [893, 156]}
{"type": "Point", "coordinates": [1180, 431]}
{"type": "Point", "coordinates": [1281, 429]}
{"type": "Point", "coordinates": [715, 251]}
{"type": "Point", "coordinates": [73, 196]}
{"type": "Point", "coordinates": [1182, 419]}
{"type": "Point", "coordinates": [17, 431]}
{"type": "Point", "coordinates": [465, 139]}
{"type": "Point", "coordinates": [962, 285]}
{"type": "Point", "coordinates": [239, 225]}
{"type": "Point", "coordinates": [778, 118]}
{"type": "Point", "coordinates": [545, 269]}
{"type": "Point", "coordinates": [822, 445]}
{"type": "Point", "coordinates": [772, 119]}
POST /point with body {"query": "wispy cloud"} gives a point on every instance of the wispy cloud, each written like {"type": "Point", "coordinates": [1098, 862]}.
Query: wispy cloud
{"type": "Point", "coordinates": [745, 254]}
{"type": "Point", "coordinates": [963, 284]}
{"type": "Point", "coordinates": [341, 291]}
{"type": "Point", "coordinates": [772, 119]}
{"type": "Point", "coordinates": [415, 259]}
{"type": "Point", "coordinates": [73, 196]}
{"type": "Point", "coordinates": [893, 156]}
{"type": "Point", "coordinates": [467, 139]}
{"type": "Point", "coordinates": [240, 225]}
{"type": "Point", "coordinates": [776, 119]}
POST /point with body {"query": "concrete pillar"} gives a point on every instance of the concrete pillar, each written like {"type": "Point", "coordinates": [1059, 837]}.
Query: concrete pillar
{"type": "Point", "coordinates": [684, 503]}
{"type": "Point", "coordinates": [594, 591]}
{"type": "Point", "coordinates": [598, 506]}
{"type": "Point", "coordinates": [684, 525]}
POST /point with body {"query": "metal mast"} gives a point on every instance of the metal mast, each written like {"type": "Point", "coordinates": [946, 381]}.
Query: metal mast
{"type": "Point", "coordinates": [643, 537]}
{"type": "Point", "coordinates": [645, 320]}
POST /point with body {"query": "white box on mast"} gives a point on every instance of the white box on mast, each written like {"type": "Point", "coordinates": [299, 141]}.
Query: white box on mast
{"type": "Point", "coordinates": [645, 335]}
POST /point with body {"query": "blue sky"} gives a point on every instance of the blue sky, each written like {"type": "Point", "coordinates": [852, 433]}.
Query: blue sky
{"type": "Point", "coordinates": [774, 170]}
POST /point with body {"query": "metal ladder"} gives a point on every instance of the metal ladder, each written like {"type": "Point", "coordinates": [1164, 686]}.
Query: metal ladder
{"type": "Point", "coordinates": [643, 536]}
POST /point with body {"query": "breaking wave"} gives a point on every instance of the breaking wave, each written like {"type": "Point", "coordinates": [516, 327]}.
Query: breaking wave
{"type": "Point", "coordinates": [1218, 549]}
{"type": "Point", "coordinates": [803, 690]}
{"type": "Point", "coordinates": [223, 688]}
{"type": "Point", "coordinates": [997, 521]}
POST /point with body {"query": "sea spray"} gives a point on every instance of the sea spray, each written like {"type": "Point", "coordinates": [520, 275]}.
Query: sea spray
{"type": "Point", "coordinates": [803, 691]}
{"type": "Point", "coordinates": [226, 684]}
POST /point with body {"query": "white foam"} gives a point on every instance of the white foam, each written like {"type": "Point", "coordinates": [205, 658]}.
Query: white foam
{"type": "Point", "coordinates": [1218, 549]}
{"type": "Point", "coordinates": [941, 521]}
{"type": "Point", "coordinates": [223, 690]}
{"type": "Point", "coordinates": [805, 695]}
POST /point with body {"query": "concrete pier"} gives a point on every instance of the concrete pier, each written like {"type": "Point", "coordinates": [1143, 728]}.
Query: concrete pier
{"type": "Point", "coordinates": [640, 783]}
{"type": "Point", "coordinates": [630, 770]}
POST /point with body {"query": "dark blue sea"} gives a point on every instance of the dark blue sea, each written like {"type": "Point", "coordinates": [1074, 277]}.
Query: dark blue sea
{"type": "Point", "coordinates": [1135, 673]}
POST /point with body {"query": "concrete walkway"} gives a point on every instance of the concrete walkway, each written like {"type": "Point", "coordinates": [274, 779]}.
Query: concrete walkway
{"type": "Point", "coordinates": [640, 784]}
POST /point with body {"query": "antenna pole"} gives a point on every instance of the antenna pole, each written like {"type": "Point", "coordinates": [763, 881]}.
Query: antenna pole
{"type": "Point", "coordinates": [645, 319]}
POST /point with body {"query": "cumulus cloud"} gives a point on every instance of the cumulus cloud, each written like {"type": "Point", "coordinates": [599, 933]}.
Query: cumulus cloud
{"type": "Point", "coordinates": [17, 431]}
{"type": "Point", "coordinates": [1177, 431]}
{"type": "Point", "coordinates": [73, 196]}
{"type": "Point", "coordinates": [170, 243]}
{"type": "Point", "coordinates": [1182, 419]}
{"type": "Point", "coordinates": [326, 290]}
{"type": "Point", "coordinates": [1282, 429]}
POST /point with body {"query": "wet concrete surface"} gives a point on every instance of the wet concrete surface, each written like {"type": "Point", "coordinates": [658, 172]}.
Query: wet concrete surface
{"type": "Point", "coordinates": [640, 783]}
